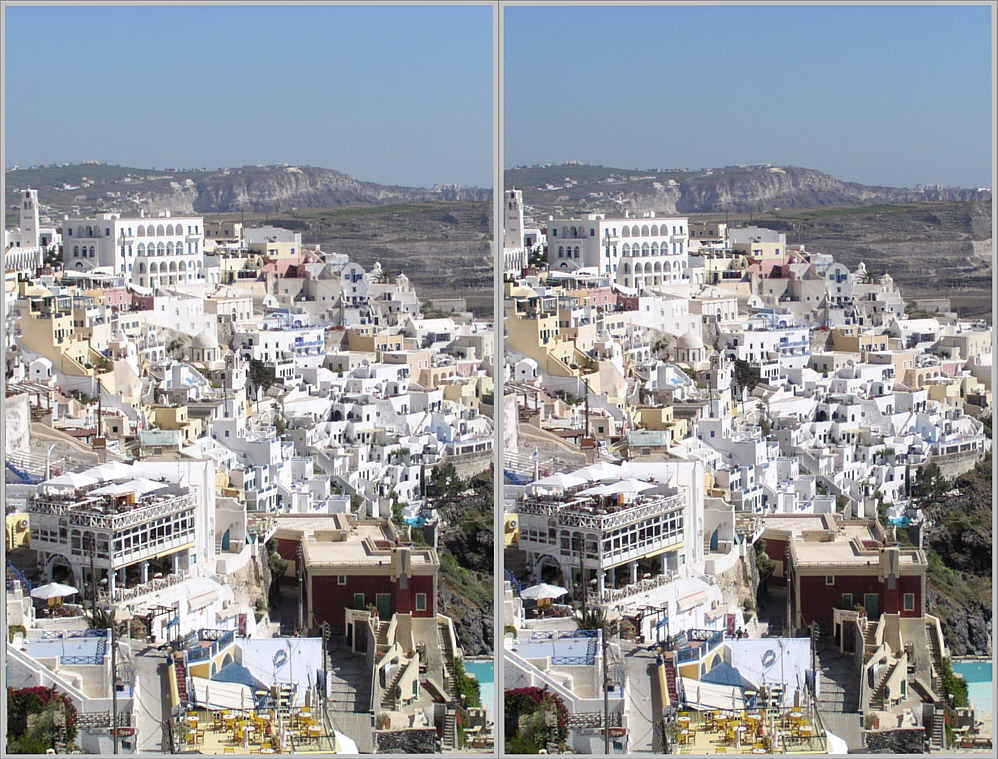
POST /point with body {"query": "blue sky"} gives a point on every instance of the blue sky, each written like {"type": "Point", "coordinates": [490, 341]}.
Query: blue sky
{"type": "Point", "coordinates": [398, 95]}
{"type": "Point", "coordinates": [881, 95]}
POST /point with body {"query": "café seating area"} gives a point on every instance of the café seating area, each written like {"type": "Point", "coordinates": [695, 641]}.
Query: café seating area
{"type": "Point", "coordinates": [761, 731]}
{"type": "Point", "coordinates": [253, 731]}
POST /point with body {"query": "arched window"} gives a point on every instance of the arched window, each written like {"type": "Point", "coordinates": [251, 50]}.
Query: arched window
{"type": "Point", "coordinates": [169, 230]}
{"type": "Point", "coordinates": [76, 251]}
{"type": "Point", "coordinates": [183, 266]}
{"type": "Point", "coordinates": [625, 232]}
{"type": "Point", "coordinates": [140, 231]}
{"type": "Point", "coordinates": [576, 251]}
{"type": "Point", "coordinates": [627, 268]}
{"type": "Point", "coordinates": [142, 267]}
{"type": "Point", "coordinates": [626, 249]}
{"type": "Point", "coordinates": [658, 267]}
{"type": "Point", "coordinates": [169, 248]}
{"type": "Point", "coordinates": [635, 232]}
{"type": "Point", "coordinates": [654, 230]}
{"type": "Point", "coordinates": [141, 248]}
{"type": "Point", "coordinates": [654, 248]}
{"type": "Point", "coordinates": [160, 249]}
{"type": "Point", "coordinates": [561, 251]}
{"type": "Point", "coordinates": [93, 252]}
{"type": "Point", "coordinates": [644, 230]}
{"type": "Point", "coordinates": [173, 266]}
{"type": "Point", "coordinates": [160, 231]}
{"type": "Point", "coordinates": [645, 250]}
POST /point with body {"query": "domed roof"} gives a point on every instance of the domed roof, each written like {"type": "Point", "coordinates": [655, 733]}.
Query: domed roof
{"type": "Point", "coordinates": [690, 341]}
{"type": "Point", "coordinates": [205, 339]}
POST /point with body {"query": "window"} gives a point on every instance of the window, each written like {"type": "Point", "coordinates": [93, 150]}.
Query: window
{"type": "Point", "coordinates": [358, 600]}
{"type": "Point", "coordinates": [830, 580]}
{"type": "Point", "coordinates": [847, 600]}
{"type": "Point", "coordinates": [341, 580]}
{"type": "Point", "coordinates": [909, 602]}
{"type": "Point", "coordinates": [420, 602]}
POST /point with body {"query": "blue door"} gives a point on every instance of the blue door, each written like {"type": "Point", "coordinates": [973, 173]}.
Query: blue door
{"type": "Point", "coordinates": [225, 540]}
{"type": "Point", "coordinates": [713, 541]}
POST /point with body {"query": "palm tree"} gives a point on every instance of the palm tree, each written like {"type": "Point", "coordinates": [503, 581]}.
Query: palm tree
{"type": "Point", "coordinates": [590, 619]}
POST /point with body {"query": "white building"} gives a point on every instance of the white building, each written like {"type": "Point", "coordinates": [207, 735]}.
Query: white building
{"type": "Point", "coordinates": [635, 252]}
{"type": "Point", "coordinates": [514, 249]}
{"type": "Point", "coordinates": [150, 251]}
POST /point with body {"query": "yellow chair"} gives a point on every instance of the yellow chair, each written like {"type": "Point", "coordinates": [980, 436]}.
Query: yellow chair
{"type": "Point", "coordinates": [228, 750]}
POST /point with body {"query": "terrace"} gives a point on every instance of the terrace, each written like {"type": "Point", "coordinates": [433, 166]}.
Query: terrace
{"type": "Point", "coordinates": [724, 731]}
{"type": "Point", "coordinates": [601, 513]}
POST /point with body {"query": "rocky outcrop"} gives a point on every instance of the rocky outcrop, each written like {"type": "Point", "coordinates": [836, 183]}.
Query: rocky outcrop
{"type": "Point", "coordinates": [248, 188]}
{"type": "Point", "coordinates": [733, 188]}
{"type": "Point", "coordinates": [474, 625]}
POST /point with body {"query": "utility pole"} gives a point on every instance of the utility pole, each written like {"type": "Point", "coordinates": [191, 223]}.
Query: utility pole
{"type": "Point", "coordinates": [606, 694]}
{"type": "Point", "coordinates": [114, 684]}
{"type": "Point", "coordinates": [93, 575]}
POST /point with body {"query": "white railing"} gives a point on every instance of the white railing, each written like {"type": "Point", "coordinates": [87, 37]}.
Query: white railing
{"type": "Point", "coordinates": [570, 516]}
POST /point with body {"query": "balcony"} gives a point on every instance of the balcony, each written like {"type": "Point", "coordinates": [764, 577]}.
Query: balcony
{"type": "Point", "coordinates": [101, 513]}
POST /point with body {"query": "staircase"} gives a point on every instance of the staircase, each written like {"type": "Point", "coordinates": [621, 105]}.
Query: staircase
{"type": "Point", "coordinates": [670, 681]}
{"type": "Point", "coordinates": [937, 736]}
{"type": "Point", "coordinates": [869, 640]}
{"type": "Point", "coordinates": [181, 671]}
{"type": "Point", "coordinates": [450, 679]}
{"type": "Point", "coordinates": [936, 660]}
{"type": "Point", "coordinates": [449, 739]}
{"type": "Point", "coordinates": [388, 700]}
{"type": "Point", "coordinates": [878, 699]}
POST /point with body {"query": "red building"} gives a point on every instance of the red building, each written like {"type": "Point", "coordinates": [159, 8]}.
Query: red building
{"type": "Point", "coordinates": [348, 563]}
{"type": "Point", "coordinates": [841, 564]}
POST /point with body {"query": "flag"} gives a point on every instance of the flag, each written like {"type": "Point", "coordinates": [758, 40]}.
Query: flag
{"type": "Point", "coordinates": [536, 454]}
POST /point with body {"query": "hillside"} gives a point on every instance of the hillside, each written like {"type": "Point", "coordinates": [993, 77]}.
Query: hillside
{"type": "Point", "coordinates": [93, 186]}
{"type": "Point", "coordinates": [931, 248]}
{"type": "Point", "coordinates": [959, 548]}
{"type": "Point", "coordinates": [443, 247]}
{"type": "Point", "coordinates": [575, 187]}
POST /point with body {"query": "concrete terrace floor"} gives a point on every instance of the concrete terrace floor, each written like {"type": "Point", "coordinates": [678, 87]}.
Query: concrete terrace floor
{"type": "Point", "coordinates": [220, 740]}
{"type": "Point", "coordinates": [704, 739]}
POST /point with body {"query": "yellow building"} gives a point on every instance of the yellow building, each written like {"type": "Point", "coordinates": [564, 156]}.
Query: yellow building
{"type": "Point", "coordinates": [176, 418]}
{"type": "Point", "coordinates": [18, 531]}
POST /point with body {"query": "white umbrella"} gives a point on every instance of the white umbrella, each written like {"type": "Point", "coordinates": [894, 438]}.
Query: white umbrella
{"type": "Point", "coordinates": [543, 590]}
{"type": "Point", "coordinates": [112, 470]}
{"type": "Point", "coordinates": [559, 480]}
{"type": "Point", "coordinates": [601, 470]}
{"type": "Point", "coordinates": [626, 486]}
{"type": "Point", "coordinates": [71, 480]}
{"type": "Point", "coordinates": [53, 590]}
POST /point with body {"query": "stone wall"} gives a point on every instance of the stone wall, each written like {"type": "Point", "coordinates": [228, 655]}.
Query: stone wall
{"type": "Point", "coordinates": [956, 464]}
{"type": "Point", "coordinates": [412, 741]}
{"type": "Point", "coordinates": [906, 741]}
{"type": "Point", "coordinates": [467, 466]}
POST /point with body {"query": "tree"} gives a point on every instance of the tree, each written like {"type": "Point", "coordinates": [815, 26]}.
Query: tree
{"type": "Point", "coordinates": [261, 375]}
{"type": "Point", "coordinates": [746, 375]}
{"type": "Point", "coordinates": [766, 567]}
{"type": "Point", "coordinates": [590, 618]}
{"type": "Point", "coordinates": [38, 718]}
{"type": "Point", "coordinates": [445, 482]}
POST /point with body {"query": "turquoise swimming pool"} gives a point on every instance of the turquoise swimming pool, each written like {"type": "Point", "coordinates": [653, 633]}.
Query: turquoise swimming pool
{"type": "Point", "coordinates": [978, 675]}
{"type": "Point", "coordinates": [484, 672]}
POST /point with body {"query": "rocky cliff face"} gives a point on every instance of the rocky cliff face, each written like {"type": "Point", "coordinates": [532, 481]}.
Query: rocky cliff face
{"type": "Point", "coordinates": [283, 188]}
{"type": "Point", "coordinates": [741, 188]}
{"type": "Point", "coordinates": [87, 187]}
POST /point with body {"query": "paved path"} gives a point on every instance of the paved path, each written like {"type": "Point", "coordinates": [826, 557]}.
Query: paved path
{"type": "Point", "coordinates": [838, 694]}
{"type": "Point", "coordinates": [151, 709]}
{"type": "Point", "coordinates": [641, 696]}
